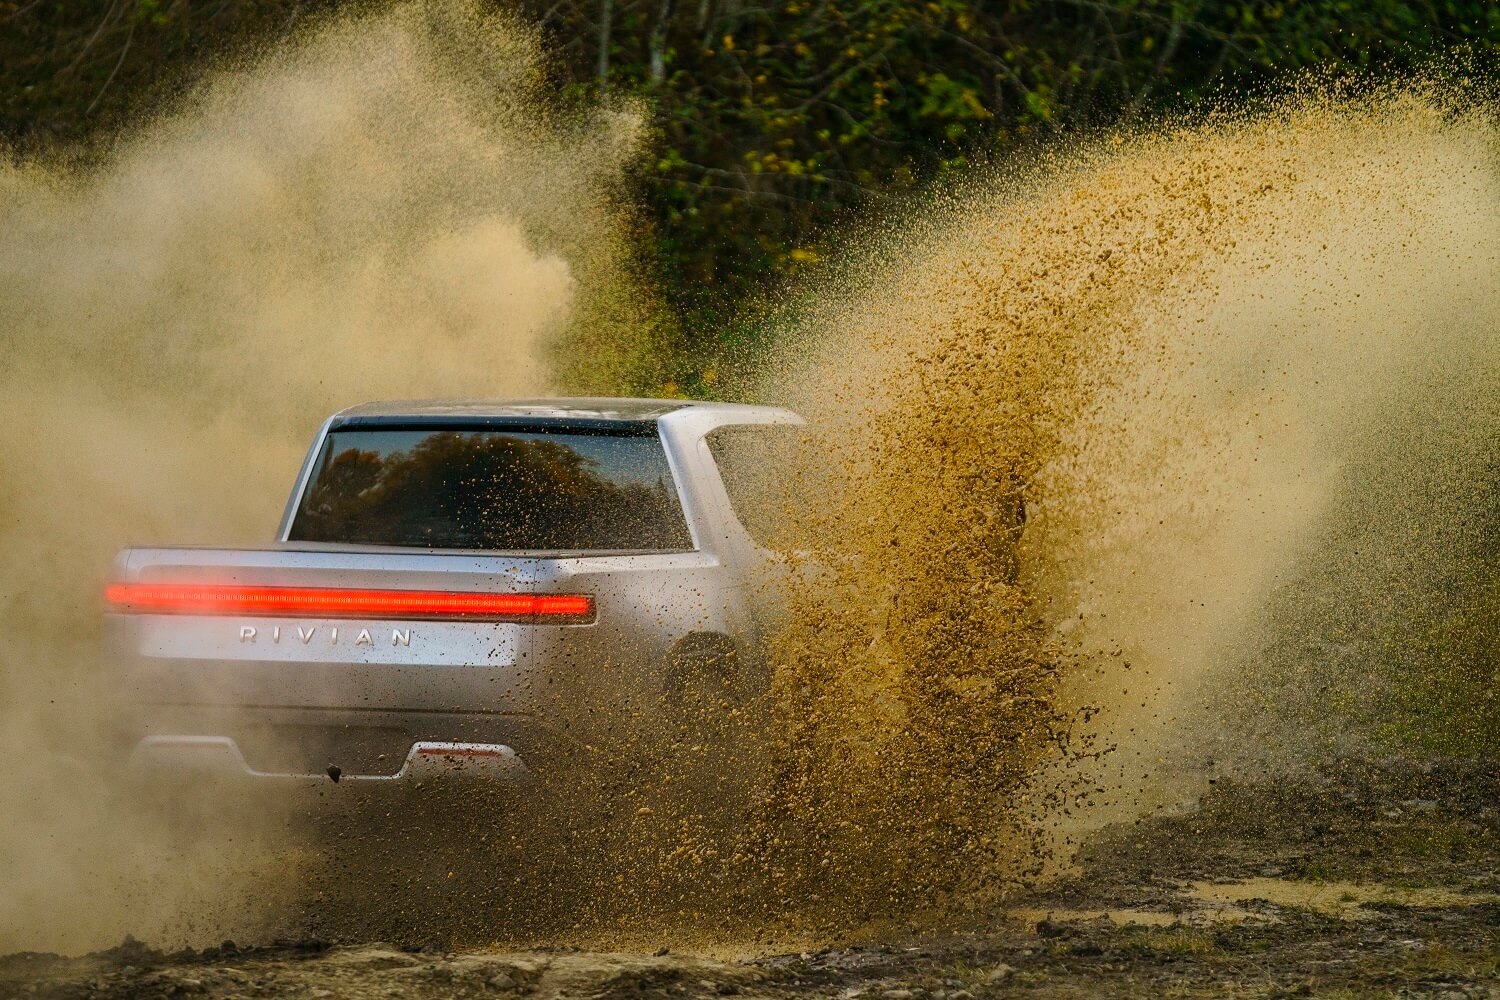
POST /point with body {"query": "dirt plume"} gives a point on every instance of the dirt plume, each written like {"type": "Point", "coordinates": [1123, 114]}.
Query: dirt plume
{"type": "Point", "coordinates": [1077, 430]}
{"type": "Point", "coordinates": [384, 209]}
{"type": "Point", "coordinates": [1081, 424]}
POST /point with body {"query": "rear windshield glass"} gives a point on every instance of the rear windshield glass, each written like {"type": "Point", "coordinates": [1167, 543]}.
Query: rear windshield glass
{"type": "Point", "coordinates": [483, 488]}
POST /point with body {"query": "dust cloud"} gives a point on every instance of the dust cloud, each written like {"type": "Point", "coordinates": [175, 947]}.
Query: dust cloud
{"type": "Point", "coordinates": [384, 209]}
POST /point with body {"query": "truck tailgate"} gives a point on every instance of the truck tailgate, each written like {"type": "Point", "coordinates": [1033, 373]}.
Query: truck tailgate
{"type": "Point", "coordinates": [302, 654]}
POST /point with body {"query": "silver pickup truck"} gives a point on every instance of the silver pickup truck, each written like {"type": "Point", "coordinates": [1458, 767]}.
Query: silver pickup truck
{"type": "Point", "coordinates": [456, 584]}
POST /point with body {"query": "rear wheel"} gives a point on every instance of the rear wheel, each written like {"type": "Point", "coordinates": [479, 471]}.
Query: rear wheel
{"type": "Point", "coordinates": [705, 679]}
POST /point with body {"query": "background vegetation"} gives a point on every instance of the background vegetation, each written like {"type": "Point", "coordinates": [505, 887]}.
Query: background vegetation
{"type": "Point", "coordinates": [773, 119]}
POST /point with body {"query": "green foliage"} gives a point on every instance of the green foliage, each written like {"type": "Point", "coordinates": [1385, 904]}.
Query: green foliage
{"type": "Point", "coordinates": [778, 119]}
{"type": "Point", "coordinates": [774, 121]}
{"type": "Point", "coordinates": [71, 69]}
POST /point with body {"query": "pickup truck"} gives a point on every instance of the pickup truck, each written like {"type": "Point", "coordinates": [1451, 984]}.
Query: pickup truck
{"type": "Point", "coordinates": [457, 585]}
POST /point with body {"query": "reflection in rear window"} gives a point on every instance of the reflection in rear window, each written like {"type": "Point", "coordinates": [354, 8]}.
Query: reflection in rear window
{"type": "Point", "coordinates": [483, 488]}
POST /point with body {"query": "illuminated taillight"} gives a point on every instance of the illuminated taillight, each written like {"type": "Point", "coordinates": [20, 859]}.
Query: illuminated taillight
{"type": "Point", "coordinates": [331, 602]}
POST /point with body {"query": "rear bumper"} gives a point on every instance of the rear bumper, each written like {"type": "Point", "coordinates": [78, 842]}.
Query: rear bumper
{"type": "Point", "coordinates": [220, 756]}
{"type": "Point", "coordinates": [278, 743]}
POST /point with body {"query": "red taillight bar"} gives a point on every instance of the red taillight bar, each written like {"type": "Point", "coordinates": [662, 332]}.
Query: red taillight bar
{"type": "Point", "coordinates": [330, 602]}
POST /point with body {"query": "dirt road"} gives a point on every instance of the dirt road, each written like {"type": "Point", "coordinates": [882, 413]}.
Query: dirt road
{"type": "Point", "coordinates": [1361, 881]}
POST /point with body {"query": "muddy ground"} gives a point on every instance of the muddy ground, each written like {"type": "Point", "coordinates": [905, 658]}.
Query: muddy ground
{"type": "Point", "coordinates": [1367, 880]}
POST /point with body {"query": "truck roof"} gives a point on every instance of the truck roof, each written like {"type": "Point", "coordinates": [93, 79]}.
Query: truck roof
{"type": "Point", "coordinates": [577, 407]}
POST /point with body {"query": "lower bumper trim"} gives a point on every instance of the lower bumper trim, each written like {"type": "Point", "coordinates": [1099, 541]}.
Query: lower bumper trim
{"type": "Point", "coordinates": [426, 759]}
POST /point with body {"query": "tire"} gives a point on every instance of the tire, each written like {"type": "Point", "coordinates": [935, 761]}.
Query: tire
{"type": "Point", "coordinates": [706, 676]}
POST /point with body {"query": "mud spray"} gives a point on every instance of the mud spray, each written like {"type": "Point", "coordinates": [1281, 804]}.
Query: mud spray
{"type": "Point", "coordinates": [1136, 465]}
{"type": "Point", "coordinates": [1144, 457]}
{"type": "Point", "coordinates": [1087, 432]}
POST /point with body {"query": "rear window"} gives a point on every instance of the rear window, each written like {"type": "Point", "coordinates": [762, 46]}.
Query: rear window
{"type": "Point", "coordinates": [533, 489]}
